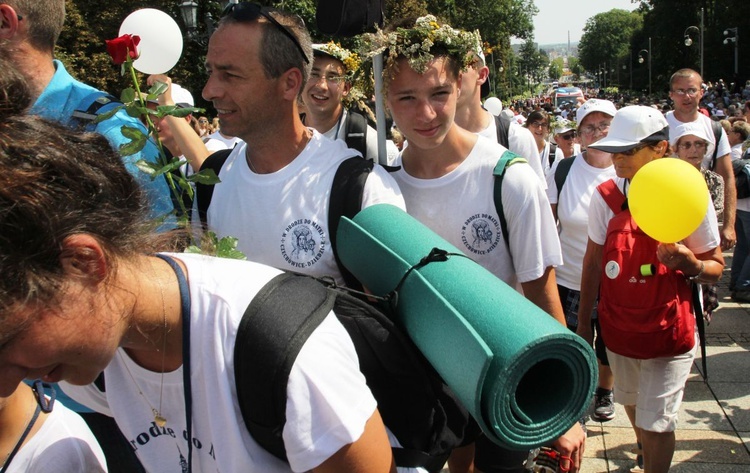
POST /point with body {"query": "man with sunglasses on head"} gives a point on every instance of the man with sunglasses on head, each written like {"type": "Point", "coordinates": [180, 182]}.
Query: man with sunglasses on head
{"type": "Point", "coordinates": [275, 187]}
{"type": "Point", "coordinates": [686, 91]}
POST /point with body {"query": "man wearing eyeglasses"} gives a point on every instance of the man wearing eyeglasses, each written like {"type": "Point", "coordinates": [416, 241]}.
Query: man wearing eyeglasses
{"type": "Point", "coordinates": [324, 93]}
{"type": "Point", "coordinates": [686, 92]}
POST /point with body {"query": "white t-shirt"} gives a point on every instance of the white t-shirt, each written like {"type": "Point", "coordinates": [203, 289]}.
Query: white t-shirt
{"type": "Point", "coordinates": [281, 219]}
{"type": "Point", "coordinates": [521, 142]}
{"type": "Point", "coordinates": [460, 207]}
{"type": "Point", "coordinates": [328, 402]}
{"type": "Point", "coordinates": [724, 147]}
{"type": "Point", "coordinates": [63, 443]}
{"type": "Point", "coordinates": [229, 142]}
{"type": "Point", "coordinates": [704, 238]}
{"type": "Point", "coordinates": [573, 215]}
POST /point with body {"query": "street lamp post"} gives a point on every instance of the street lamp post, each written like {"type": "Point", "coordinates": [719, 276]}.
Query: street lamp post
{"type": "Point", "coordinates": [734, 38]}
{"type": "Point", "coordinates": [689, 40]}
{"type": "Point", "coordinates": [189, 14]}
{"type": "Point", "coordinates": [640, 60]}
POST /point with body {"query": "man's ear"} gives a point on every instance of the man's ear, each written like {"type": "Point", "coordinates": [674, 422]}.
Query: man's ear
{"type": "Point", "coordinates": [290, 84]}
{"type": "Point", "coordinates": [82, 257]}
{"type": "Point", "coordinates": [484, 74]}
{"type": "Point", "coordinates": [347, 88]}
{"type": "Point", "coordinates": [8, 22]}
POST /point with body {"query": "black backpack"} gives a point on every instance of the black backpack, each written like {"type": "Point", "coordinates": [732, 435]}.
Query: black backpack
{"type": "Point", "coordinates": [356, 132]}
{"type": "Point", "coordinates": [741, 168]}
{"type": "Point", "coordinates": [502, 125]}
{"type": "Point", "coordinates": [349, 17]}
{"type": "Point", "coordinates": [346, 198]}
{"type": "Point", "coordinates": [414, 402]}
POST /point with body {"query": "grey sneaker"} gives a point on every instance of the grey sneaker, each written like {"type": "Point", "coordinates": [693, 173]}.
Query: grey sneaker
{"type": "Point", "coordinates": [604, 407]}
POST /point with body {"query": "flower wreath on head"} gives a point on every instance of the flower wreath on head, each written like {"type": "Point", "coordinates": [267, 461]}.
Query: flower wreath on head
{"type": "Point", "coordinates": [350, 60]}
{"type": "Point", "coordinates": [416, 43]}
{"type": "Point", "coordinates": [560, 123]}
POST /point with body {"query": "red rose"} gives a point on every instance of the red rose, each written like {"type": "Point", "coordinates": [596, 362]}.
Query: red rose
{"type": "Point", "coordinates": [120, 48]}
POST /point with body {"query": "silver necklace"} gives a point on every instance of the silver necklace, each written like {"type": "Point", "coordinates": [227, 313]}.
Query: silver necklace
{"type": "Point", "coordinates": [159, 419]}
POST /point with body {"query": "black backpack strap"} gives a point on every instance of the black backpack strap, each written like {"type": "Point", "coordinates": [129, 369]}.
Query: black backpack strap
{"type": "Point", "coordinates": [90, 107]}
{"type": "Point", "coordinates": [502, 125]}
{"type": "Point", "coordinates": [698, 309]}
{"type": "Point", "coordinates": [204, 192]}
{"type": "Point", "coordinates": [275, 326]}
{"type": "Point", "coordinates": [552, 153]}
{"type": "Point", "coordinates": [716, 128]}
{"type": "Point", "coordinates": [507, 159]}
{"type": "Point", "coordinates": [346, 201]}
{"type": "Point", "coordinates": [356, 132]}
{"type": "Point", "coordinates": [561, 173]}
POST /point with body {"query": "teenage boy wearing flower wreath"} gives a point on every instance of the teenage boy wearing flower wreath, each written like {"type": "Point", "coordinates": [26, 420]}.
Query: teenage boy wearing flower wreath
{"type": "Point", "coordinates": [326, 90]}
{"type": "Point", "coordinates": [28, 32]}
{"type": "Point", "coordinates": [447, 181]}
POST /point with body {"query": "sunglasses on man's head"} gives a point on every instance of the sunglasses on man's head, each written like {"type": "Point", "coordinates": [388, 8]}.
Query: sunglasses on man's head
{"type": "Point", "coordinates": [248, 11]}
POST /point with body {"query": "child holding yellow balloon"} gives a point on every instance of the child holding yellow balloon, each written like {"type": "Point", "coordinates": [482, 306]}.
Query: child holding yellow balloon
{"type": "Point", "coordinates": [643, 267]}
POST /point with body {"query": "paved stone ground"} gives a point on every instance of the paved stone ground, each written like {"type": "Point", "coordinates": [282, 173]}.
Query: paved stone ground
{"type": "Point", "coordinates": [713, 433]}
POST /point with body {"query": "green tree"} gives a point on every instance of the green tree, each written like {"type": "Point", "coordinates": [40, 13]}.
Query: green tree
{"type": "Point", "coordinates": [555, 69]}
{"type": "Point", "coordinates": [607, 37]}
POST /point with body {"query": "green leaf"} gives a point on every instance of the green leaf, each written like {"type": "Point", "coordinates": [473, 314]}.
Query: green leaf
{"type": "Point", "coordinates": [135, 110]}
{"type": "Point", "coordinates": [193, 249]}
{"type": "Point", "coordinates": [132, 132]}
{"type": "Point", "coordinates": [206, 176]}
{"type": "Point", "coordinates": [147, 166]}
{"type": "Point", "coordinates": [127, 95]}
{"type": "Point", "coordinates": [175, 111]}
{"type": "Point", "coordinates": [156, 90]}
{"type": "Point", "coordinates": [137, 144]}
{"type": "Point", "coordinates": [108, 114]}
{"type": "Point", "coordinates": [227, 248]}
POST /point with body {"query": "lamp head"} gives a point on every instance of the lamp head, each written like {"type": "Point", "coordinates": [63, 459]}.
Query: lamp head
{"type": "Point", "coordinates": [640, 59]}
{"type": "Point", "coordinates": [688, 41]}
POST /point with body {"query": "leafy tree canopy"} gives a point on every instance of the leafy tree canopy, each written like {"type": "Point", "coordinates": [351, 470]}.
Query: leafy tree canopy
{"type": "Point", "coordinates": [607, 36]}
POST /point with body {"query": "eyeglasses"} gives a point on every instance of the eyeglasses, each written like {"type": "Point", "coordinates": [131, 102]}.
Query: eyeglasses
{"type": "Point", "coordinates": [689, 92]}
{"type": "Point", "coordinates": [568, 136]}
{"type": "Point", "coordinates": [330, 78]}
{"type": "Point", "coordinates": [248, 11]}
{"type": "Point", "coordinates": [591, 129]}
{"type": "Point", "coordinates": [537, 125]}
{"type": "Point", "coordinates": [633, 151]}
{"type": "Point", "coordinates": [700, 146]}
{"type": "Point", "coordinates": [202, 121]}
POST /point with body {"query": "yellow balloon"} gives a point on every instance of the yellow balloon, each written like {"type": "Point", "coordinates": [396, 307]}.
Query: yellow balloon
{"type": "Point", "coordinates": [668, 199]}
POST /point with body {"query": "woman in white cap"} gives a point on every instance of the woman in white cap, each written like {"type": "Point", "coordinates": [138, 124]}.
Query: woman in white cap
{"type": "Point", "coordinates": [649, 385]}
{"type": "Point", "coordinates": [564, 136]}
{"type": "Point", "coordinates": [570, 204]}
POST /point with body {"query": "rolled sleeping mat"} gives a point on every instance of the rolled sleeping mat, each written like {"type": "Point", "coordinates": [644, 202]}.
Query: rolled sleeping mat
{"type": "Point", "coordinates": [525, 378]}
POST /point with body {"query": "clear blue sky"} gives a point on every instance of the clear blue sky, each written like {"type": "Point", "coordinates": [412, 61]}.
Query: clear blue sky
{"type": "Point", "coordinates": [556, 18]}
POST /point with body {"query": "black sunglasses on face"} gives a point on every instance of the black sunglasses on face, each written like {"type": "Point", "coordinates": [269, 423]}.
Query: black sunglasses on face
{"type": "Point", "coordinates": [247, 11]}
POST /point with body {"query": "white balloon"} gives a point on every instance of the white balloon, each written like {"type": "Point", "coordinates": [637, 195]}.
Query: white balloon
{"type": "Point", "coordinates": [493, 105]}
{"type": "Point", "coordinates": [161, 40]}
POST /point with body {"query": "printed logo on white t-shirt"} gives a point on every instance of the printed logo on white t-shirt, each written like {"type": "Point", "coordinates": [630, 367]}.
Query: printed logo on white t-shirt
{"type": "Point", "coordinates": [303, 243]}
{"type": "Point", "coordinates": [480, 233]}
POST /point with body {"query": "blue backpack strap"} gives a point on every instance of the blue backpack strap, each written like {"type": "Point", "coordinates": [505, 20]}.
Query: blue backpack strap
{"type": "Point", "coordinates": [90, 107]}
{"type": "Point", "coordinates": [507, 159]}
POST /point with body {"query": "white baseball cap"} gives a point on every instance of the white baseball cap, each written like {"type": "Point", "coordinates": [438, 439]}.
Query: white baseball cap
{"type": "Point", "coordinates": [632, 126]}
{"type": "Point", "coordinates": [688, 128]}
{"type": "Point", "coordinates": [181, 96]}
{"type": "Point", "coordinates": [595, 105]}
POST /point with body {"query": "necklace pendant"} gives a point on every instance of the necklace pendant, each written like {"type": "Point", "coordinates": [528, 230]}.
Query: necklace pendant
{"type": "Point", "coordinates": [160, 420]}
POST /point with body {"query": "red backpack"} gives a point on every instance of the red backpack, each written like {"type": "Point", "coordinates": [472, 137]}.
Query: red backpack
{"type": "Point", "coordinates": [645, 309]}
